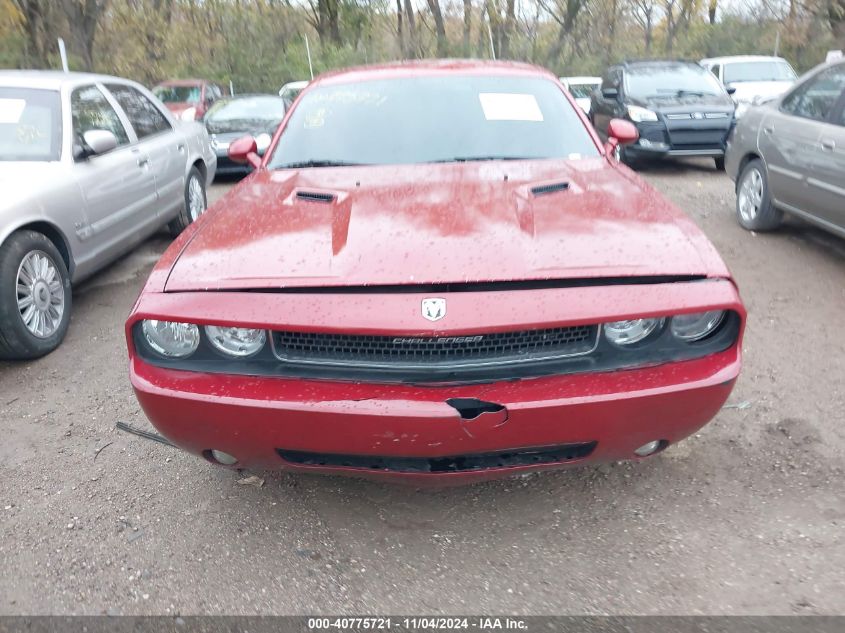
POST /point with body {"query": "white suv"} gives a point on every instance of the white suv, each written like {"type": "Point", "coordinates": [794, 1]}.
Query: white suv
{"type": "Point", "coordinates": [753, 78]}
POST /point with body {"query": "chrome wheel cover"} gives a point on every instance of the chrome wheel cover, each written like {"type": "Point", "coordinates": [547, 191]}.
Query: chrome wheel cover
{"type": "Point", "coordinates": [40, 294]}
{"type": "Point", "coordinates": [750, 197]}
{"type": "Point", "coordinates": [196, 199]}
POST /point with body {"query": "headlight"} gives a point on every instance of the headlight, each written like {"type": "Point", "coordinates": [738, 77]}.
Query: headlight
{"type": "Point", "coordinates": [172, 340]}
{"type": "Point", "coordinates": [262, 141]}
{"type": "Point", "coordinates": [239, 342]}
{"type": "Point", "coordinates": [189, 114]}
{"type": "Point", "coordinates": [638, 114]}
{"type": "Point", "coordinates": [694, 327]}
{"type": "Point", "coordinates": [630, 331]}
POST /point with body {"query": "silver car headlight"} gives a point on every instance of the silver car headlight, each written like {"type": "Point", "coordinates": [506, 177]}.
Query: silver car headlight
{"type": "Point", "coordinates": [632, 331]}
{"type": "Point", "coordinates": [238, 342]}
{"type": "Point", "coordinates": [171, 339]}
{"type": "Point", "coordinates": [694, 327]}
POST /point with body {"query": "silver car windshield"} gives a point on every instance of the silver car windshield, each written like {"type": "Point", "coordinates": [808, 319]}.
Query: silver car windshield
{"type": "Point", "coordinates": [30, 124]}
{"type": "Point", "coordinates": [440, 119]}
{"type": "Point", "coordinates": [758, 71]}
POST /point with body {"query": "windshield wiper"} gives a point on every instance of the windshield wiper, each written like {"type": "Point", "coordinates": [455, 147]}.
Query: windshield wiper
{"type": "Point", "coordinates": [318, 163]}
{"type": "Point", "coordinates": [471, 159]}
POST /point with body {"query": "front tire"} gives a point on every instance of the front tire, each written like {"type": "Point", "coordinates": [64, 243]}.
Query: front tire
{"type": "Point", "coordinates": [755, 210]}
{"type": "Point", "coordinates": [196, 203]}
{"type": "Point", "coordinates": [35, 296]}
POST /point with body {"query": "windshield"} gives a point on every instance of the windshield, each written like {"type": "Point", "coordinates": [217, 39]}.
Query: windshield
{"type": "Point", "coordinates": [178, 94]}
{"type": "Point", "coordinates": [245, 114]}
{"type": "Point", "coordinates": [432, 119]}
{"type": "Point", "coordinates": [758, 71]}
{"type": "Point", "coordinates": [582, 91]}
{"type": "Point", "coordinates": [676, 80]}
{"type": "Point", "coordinates": [30, 124]}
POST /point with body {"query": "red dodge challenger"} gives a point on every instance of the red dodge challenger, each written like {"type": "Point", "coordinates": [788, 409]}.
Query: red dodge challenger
{"type": "Point", "coordinates": [436, 273]}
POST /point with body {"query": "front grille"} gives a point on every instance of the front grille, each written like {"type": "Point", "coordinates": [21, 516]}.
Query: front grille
{"type": "Point", "coordinates": [699, 138]}
{"type": "Point", "coordinates": [415, 352]}
{"type": "Point", "coordinates": [472, 462]}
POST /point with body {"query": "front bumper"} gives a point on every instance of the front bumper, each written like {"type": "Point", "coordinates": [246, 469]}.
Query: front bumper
{"type": "Point", "coordinates": [677, 139]}
{"type": "Point", "coordinates": [255, 418]}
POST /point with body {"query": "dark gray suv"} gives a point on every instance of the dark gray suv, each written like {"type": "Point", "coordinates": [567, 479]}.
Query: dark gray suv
{"type": "Point", "coordinates": [789, 155]}
{"type": "Point", "coordinates": [679, 108]}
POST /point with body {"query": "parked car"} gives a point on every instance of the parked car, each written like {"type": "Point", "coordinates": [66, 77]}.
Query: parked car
{"type": "Point", "coordinates": [442, 274]}
{"type": "Point", "coordinates": [753, 78]}
{"type": "Point", "coordinates": [789, 155]}
{"type": "Point", "coordinates": [290, 91]}
{"type": "Point", "coordinates": [232, 117]}
{"type": "Point", "coordinates": [581, 89]}
{"type": "Point", "coordinates": [188, 99]}
{"type": "Point", "coordinates": [679, 109]}
{"type": "Point", "coordinates": [90, 166]}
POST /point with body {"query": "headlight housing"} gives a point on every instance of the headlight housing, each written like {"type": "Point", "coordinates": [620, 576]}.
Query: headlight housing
{"type": "Point", "coordinates": [696, 326]}
{"type": "Point", "coordinates": [171, 339]}
{"type": "Point", "coordinates": [640, 115]}
{"type": "Point", "coordinates": [238, 342]}
{"type": "Point", "coordinates": [189, 114]}
{"type": "Point", "coordinates": [631, 331]}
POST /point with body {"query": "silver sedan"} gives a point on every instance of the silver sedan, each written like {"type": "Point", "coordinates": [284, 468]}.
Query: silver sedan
{"type": "Point", "coordinates": [90, 166]}
{"type": "Point", "coordinates": [789, 155]}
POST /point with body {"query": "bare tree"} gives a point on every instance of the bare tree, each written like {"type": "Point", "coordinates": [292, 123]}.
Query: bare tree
{"type": "Point", "coordinates": [467, 26]}
{"type": "Point", "coordinates": [83, 17]}
{"type": "Point", "coordinates": [645, 14]}
{"type": "Point", "coordinates": [439, 27]}
{"type": "Point", "coordinates": [836, 17]}
{"type": "Point", "coordinates": [565, 13]}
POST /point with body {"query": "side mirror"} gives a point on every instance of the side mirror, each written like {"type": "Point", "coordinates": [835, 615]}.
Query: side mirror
{"type": "Point", "coordinates": [245, 150]}
{"type": "Point", "coordinates": [731, 89]}
{"type": "Point", "coordinates": [620, 132]}
{"type": "Point", "coordinates": [99, 141]}
{"type": "Point", "coordinates": [610, 93]}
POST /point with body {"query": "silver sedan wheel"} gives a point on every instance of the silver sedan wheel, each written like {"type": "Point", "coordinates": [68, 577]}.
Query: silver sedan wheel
{"type": "Point", "coordinates": [196, 199]}
{"type": "Point", "coordinates": [751, 194]}
{"type": "Point", "coordinates": [41, 294]}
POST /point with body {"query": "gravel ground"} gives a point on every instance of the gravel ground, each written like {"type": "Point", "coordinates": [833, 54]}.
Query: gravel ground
{"type": "Point", "coordinates": [746, 517]}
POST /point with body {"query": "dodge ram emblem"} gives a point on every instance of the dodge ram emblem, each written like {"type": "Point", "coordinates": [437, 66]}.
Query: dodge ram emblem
{"type": "Point", "coordinates": [434, 308]}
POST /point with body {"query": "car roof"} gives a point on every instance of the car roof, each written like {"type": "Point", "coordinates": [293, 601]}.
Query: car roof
{"type": "Point", "coordinates": [741, 58]}
{"type": "Point", "coordinates": [432, 67]}
{"type": "Point", "coordinates": [635, 63]}
{"type": "Point", "coordinates": [184, 82]}
{"type": "Point", "coordinates": [581, 79]}
{"type": "Point", "coordinates": [50, 79]}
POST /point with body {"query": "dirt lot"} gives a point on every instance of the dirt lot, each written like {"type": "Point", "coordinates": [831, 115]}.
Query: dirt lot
{"type": "Point", "coordinates": [744, 518]}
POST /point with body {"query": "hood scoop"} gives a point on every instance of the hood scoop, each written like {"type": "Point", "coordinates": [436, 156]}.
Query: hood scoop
{"type": "Point", "coordinates": [547, 188]}
{"type": "Point", "coordinates": [315, 196]}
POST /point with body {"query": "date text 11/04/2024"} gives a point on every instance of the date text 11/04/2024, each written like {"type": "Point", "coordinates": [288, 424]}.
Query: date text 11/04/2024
{"type": "Point", "coordinates": [480, 623]}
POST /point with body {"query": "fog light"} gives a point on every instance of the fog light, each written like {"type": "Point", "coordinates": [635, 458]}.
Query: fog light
{"type": "Point", "coordinates": [223, 458]}
{"type": "Point", "coordinates": [647, 449]}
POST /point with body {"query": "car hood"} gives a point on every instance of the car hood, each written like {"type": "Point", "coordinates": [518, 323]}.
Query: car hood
{"type": "Point", "coordinates": [747, 91]}
{"type": "Point", "coordinates": [438, 223]}
{"type": "Point", "coordinates": [687, 103]}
